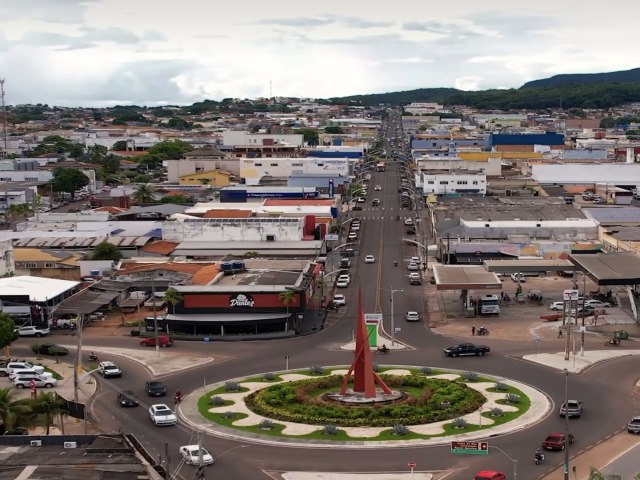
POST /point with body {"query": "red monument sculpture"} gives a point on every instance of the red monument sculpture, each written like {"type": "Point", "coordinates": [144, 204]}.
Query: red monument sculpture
{"type": "Point", "coordinates": [364, 378]}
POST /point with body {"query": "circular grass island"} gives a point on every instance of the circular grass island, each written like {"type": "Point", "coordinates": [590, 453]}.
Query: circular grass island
{"type": "Point", "coordinates": [434, 406]}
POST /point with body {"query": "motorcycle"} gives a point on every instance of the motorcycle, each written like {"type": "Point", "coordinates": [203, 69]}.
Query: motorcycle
{"type": "Point", "coordinates": [383, 351]}
{"type": "Point", "coordinates": [482, 331]}
{"type": "Point", "coordinates": [395, 264]}
{"type": "Point", "coordinates": [538, 458]}
{"type": "Point", "coordinates": [93, 357]}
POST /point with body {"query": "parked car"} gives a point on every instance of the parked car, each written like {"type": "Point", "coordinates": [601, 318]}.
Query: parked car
{"type": "Point", "coordinates": [518, 277]}
{"type": "Point", "coordinates": [163, 341]}
{"type": "Point", "coordinates": [557, 441]}
{"type": "Point", "coordinates": [38, 382]}
{"type": "Point", "coordinates": [109, 369]}
{"type": "Point", "coordinates": [345, 262]}
{"type": "Point", "coordinates": [414, 259]}
{"type": "Point", "coordinates": [344, 277]}
{"type": "Point", "coordinates": [35, 371]}
{"type": "Point", "coordinates": [161, 414]}
{"type": "Point", "coordinates": [49, 349]}
{"type": "Point", "coordinates": [369, 259]}
{"type": "Point", "coordinates": [352, 237]}
{"type": "Point", "coordinates": [634, 425]}
{"type": "Point", "coordinates": [410, 231]}
{"type": "Point", "coordinates": [32, 331]}
{"type": "Point", "coordinates": [412, 317]}
{"type": "Point", "coordinates": [408, 221]}
{"type": "Point", "coordinates": [127, 399]}
{"type": "Point", "coordinates": [596, 304]}
{"type": "Point", "coordinates": [195, 455]}
{"type": "Point", "coordinates": [415, 279]}
{"type": "Point", "coordinates": [339, 300]}
{"type": "Point", "coordinates": [465, 349]}
{"type": "Point", "coordinates": [342, 284]}
{"type": "Point", "coordinates": [413, 266]}
{"type": "Point", "coordinates": [155, 388]}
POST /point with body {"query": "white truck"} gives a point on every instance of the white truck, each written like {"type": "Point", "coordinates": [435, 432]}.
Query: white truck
{"type": "Point", "coordinates": [489, 305]}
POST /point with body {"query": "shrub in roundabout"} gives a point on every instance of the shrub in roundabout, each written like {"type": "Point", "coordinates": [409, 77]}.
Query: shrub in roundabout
{"type": "Point", "coordinates": [426, 400]}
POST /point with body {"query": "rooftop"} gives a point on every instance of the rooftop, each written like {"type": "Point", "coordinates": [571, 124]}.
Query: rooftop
{"type": "Point", "coordinates": [260, 277]}
{"type": "Point", "coordinates": [39, 289]}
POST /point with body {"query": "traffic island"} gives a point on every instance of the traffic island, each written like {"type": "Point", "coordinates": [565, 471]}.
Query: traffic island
{"type": "Point", "coordinates": [438, 406]}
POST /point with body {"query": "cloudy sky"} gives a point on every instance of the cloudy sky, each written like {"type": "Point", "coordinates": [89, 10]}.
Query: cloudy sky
{"type": "Point", "coordinates": [155, 52]}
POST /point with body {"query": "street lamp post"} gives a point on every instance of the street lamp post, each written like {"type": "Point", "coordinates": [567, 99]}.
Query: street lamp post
{"type": "Point", "coordinates": [393, 324]}
{"type": "Point", "coordinates": [513, 460]}
{"type": "Point", "coordinates": [566, 424]}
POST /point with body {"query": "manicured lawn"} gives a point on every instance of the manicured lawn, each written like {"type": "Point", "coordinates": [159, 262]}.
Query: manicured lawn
{"type": "Point", "coordinates": [204, 406]}
{"type": "Point", "coordinates": [55, 374]}
{"type": "Point", "coordinates": [223, 389]}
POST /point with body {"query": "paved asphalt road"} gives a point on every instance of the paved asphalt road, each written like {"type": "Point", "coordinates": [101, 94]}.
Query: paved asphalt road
{"type": "Point", "coordinates": [608, 401]}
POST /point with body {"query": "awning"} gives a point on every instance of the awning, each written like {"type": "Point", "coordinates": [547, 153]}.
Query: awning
{"type": "Point", "coordinates": [226, 317]}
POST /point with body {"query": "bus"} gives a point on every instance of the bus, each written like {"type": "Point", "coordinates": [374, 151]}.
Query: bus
{"type": "Point", "coordinates": [381, 167]}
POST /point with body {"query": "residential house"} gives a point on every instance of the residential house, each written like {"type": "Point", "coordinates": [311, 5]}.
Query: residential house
{"type": "Point", "coordinates": [49, 264]}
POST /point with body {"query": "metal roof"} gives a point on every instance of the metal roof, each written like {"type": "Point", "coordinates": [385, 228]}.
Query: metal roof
{"type": "Point", "coordinates": [610, 268]}
{"type": "Point", "coordinates": [542, 265]}
{"type": "Point", "coordinates": [454, 277]}
{"type": "Point", "coordinates": [80, 242]}
{"type": "Point", "coordinates": [86, 302]}
{"type": "Point", "coordinates": [612, 214]}
{"type": "Point", "coordinates": [226, 317]}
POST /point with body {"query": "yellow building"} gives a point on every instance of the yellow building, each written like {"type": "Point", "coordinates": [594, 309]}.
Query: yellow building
{"type": "Point", "coordinates": [214, 178]}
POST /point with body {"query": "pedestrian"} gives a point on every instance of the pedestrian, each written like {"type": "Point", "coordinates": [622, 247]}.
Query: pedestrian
{"type": "Point", "coordinates": [559, 332]}
{"type": "Point", "coordinates": [473, 330]}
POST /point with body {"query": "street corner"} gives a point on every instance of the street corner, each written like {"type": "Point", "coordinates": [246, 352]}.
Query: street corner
{"type": "Point", "coordinates": [577, 361]}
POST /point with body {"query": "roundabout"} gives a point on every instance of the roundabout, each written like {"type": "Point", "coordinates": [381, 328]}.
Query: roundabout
{"type": "Point", "coordinates": [455, 406]}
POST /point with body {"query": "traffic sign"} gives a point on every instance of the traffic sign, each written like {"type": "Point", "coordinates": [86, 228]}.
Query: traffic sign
{"type": "Point", "coordinates": [472, 448]}
{"type": "Point", "coordinates": [331, 237]}
{"type": "Point", "coordinates": [570, 295]}
{"type": "Point", "coordinates": [411, 464]}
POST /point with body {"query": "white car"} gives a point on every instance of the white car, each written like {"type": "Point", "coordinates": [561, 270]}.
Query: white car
{"type": "Point", "coordinates": [556, 306]}
{"type": "Point", "coordinates": [414, 260]}
{"type": "Point", "coordinates": [413, 266]}
{"type": "Point", "coordinates": [597, 304]}
{"type": "Point", "coordinates": [377, 188]}
{"type": "Point", "coordinates": [33, 331]}
{"type": "Point", "coordinates": [195, 455]}
{"type": "Point", "coordinates": [518, 277]}
{"type": "Point", "coordinates": [353, 236]}
{"type": "Point", "coordinates": [109, 369]}
{"type": "Point", "coordinates": [355, 227]}
{"type": "Point", "coordinates": [369, 259]}
{"type": "Point", "coordinates": [161, 414]}
{"type": "Point", "coordinates": [412, 317]}
{"type": "Point", "coordinates": [345, 277]}
{"type": "Point", "coordinates": [408, 221]}
{"type": "Point", "coordinates": [340, 300]}
{"type": "Point", "coordinates": [342, 284]}
{"type": "Point", "coordinates": [361, 200]}
{"type": "Point", "coordinates": [38, 381]}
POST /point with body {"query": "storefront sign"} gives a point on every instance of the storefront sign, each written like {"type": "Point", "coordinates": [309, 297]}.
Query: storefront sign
{"type": "Point", "coordinates": [241, 300]}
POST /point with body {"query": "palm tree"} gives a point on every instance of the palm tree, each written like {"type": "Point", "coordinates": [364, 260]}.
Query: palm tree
{"type": "Point", "coordinates": [13, 412]}
{"type": "Point", "coordinates": [144, 194]}
{"type": "Point", "coordinates": [172, 297]}
{"type": "Point", "coordinates": [286, 298]}
{"type": "Point", "coordinates": [49, 405]}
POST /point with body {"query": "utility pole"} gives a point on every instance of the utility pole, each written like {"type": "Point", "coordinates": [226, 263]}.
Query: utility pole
{"type": "Point", "coordinates": [78, 366]}
{"type": "Point", "coordinates": [566, 424]}
{"type": "Point", "coordinates": [393, 324]}
{"type": "Point", "coordinates": [4, 115]}
{"type": "Point", "coordinates": [155, 315]}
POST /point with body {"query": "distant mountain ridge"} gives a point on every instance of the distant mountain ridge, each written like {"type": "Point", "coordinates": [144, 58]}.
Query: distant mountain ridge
{"type": "Point", "coordinates": [622, 76]}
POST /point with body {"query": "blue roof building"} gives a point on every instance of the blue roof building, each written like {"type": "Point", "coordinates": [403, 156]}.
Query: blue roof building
{"type": "Point", "coordinates": [550, 139]}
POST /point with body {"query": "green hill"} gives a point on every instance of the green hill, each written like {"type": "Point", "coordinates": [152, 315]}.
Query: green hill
{"type": "Point", "coordinates": [623, 76]}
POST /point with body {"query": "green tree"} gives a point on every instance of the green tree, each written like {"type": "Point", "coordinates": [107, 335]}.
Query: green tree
{"type": "Point", "coordinates": [144, 194]}
{"type": "Point", "coordinates": [68, 180]}
{"type": "Point", "coordinates": [48, 405]}
{"type": "Point", "coordinates": [333, 129]}
{"type": "Point", "coordinates": [7, 331]}
{"type": "Point", "coordinates": [309, 135]}
{"type": "Point", "coordinates": [13, 412]}
{"type": "Point", "coordinates": [106, 251]}
{"type": "Point", "coordinates": [172, 297]}
{"type": "Point", "coordinates": [175, 199]}
{"type": "Point", "coordinates": [119, 146]}
{"type": "Point", "coordinates": [110, 164]}
{"type": "Point", "coordinates": [171, 149]}
{"type": "Point", "coordinates": [286, 298]}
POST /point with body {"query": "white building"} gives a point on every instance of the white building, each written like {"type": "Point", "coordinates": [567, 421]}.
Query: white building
{"type": "Point", "coordinates": [187, 166]}
{"type": "Point", "coordinates": [453, 182]}
{"type": "Point", "coordinates": [622, 174]}
{"type": "Point", "coordinates": [242, 137]}
{"type": "Point", "coordinates": [26, 176]}
{"type": "Point", "coordinates": [233, 229]}
{"type": "Point", "coordinates": [420, 108]}
{"type": "Point", "coordinates": [253, 169]}
{"type": "Point", "coordinates": [492, 167]}
{"type": "Point", "coordinates": [7, 260]}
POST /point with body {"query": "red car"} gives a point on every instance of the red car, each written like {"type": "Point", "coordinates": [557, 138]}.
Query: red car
{"type": "Point", "coordinates": [556, 441]}
{"type": "Point", "coordinates": [490, 475]}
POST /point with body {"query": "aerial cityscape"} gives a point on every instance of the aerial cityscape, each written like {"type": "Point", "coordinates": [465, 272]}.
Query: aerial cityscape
{"type": "Point", "coordinates": [297, 244]}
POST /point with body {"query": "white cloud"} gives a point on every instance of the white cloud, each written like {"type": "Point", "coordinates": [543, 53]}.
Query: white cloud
{"type": "Point", "coordinates": [93, 52]}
